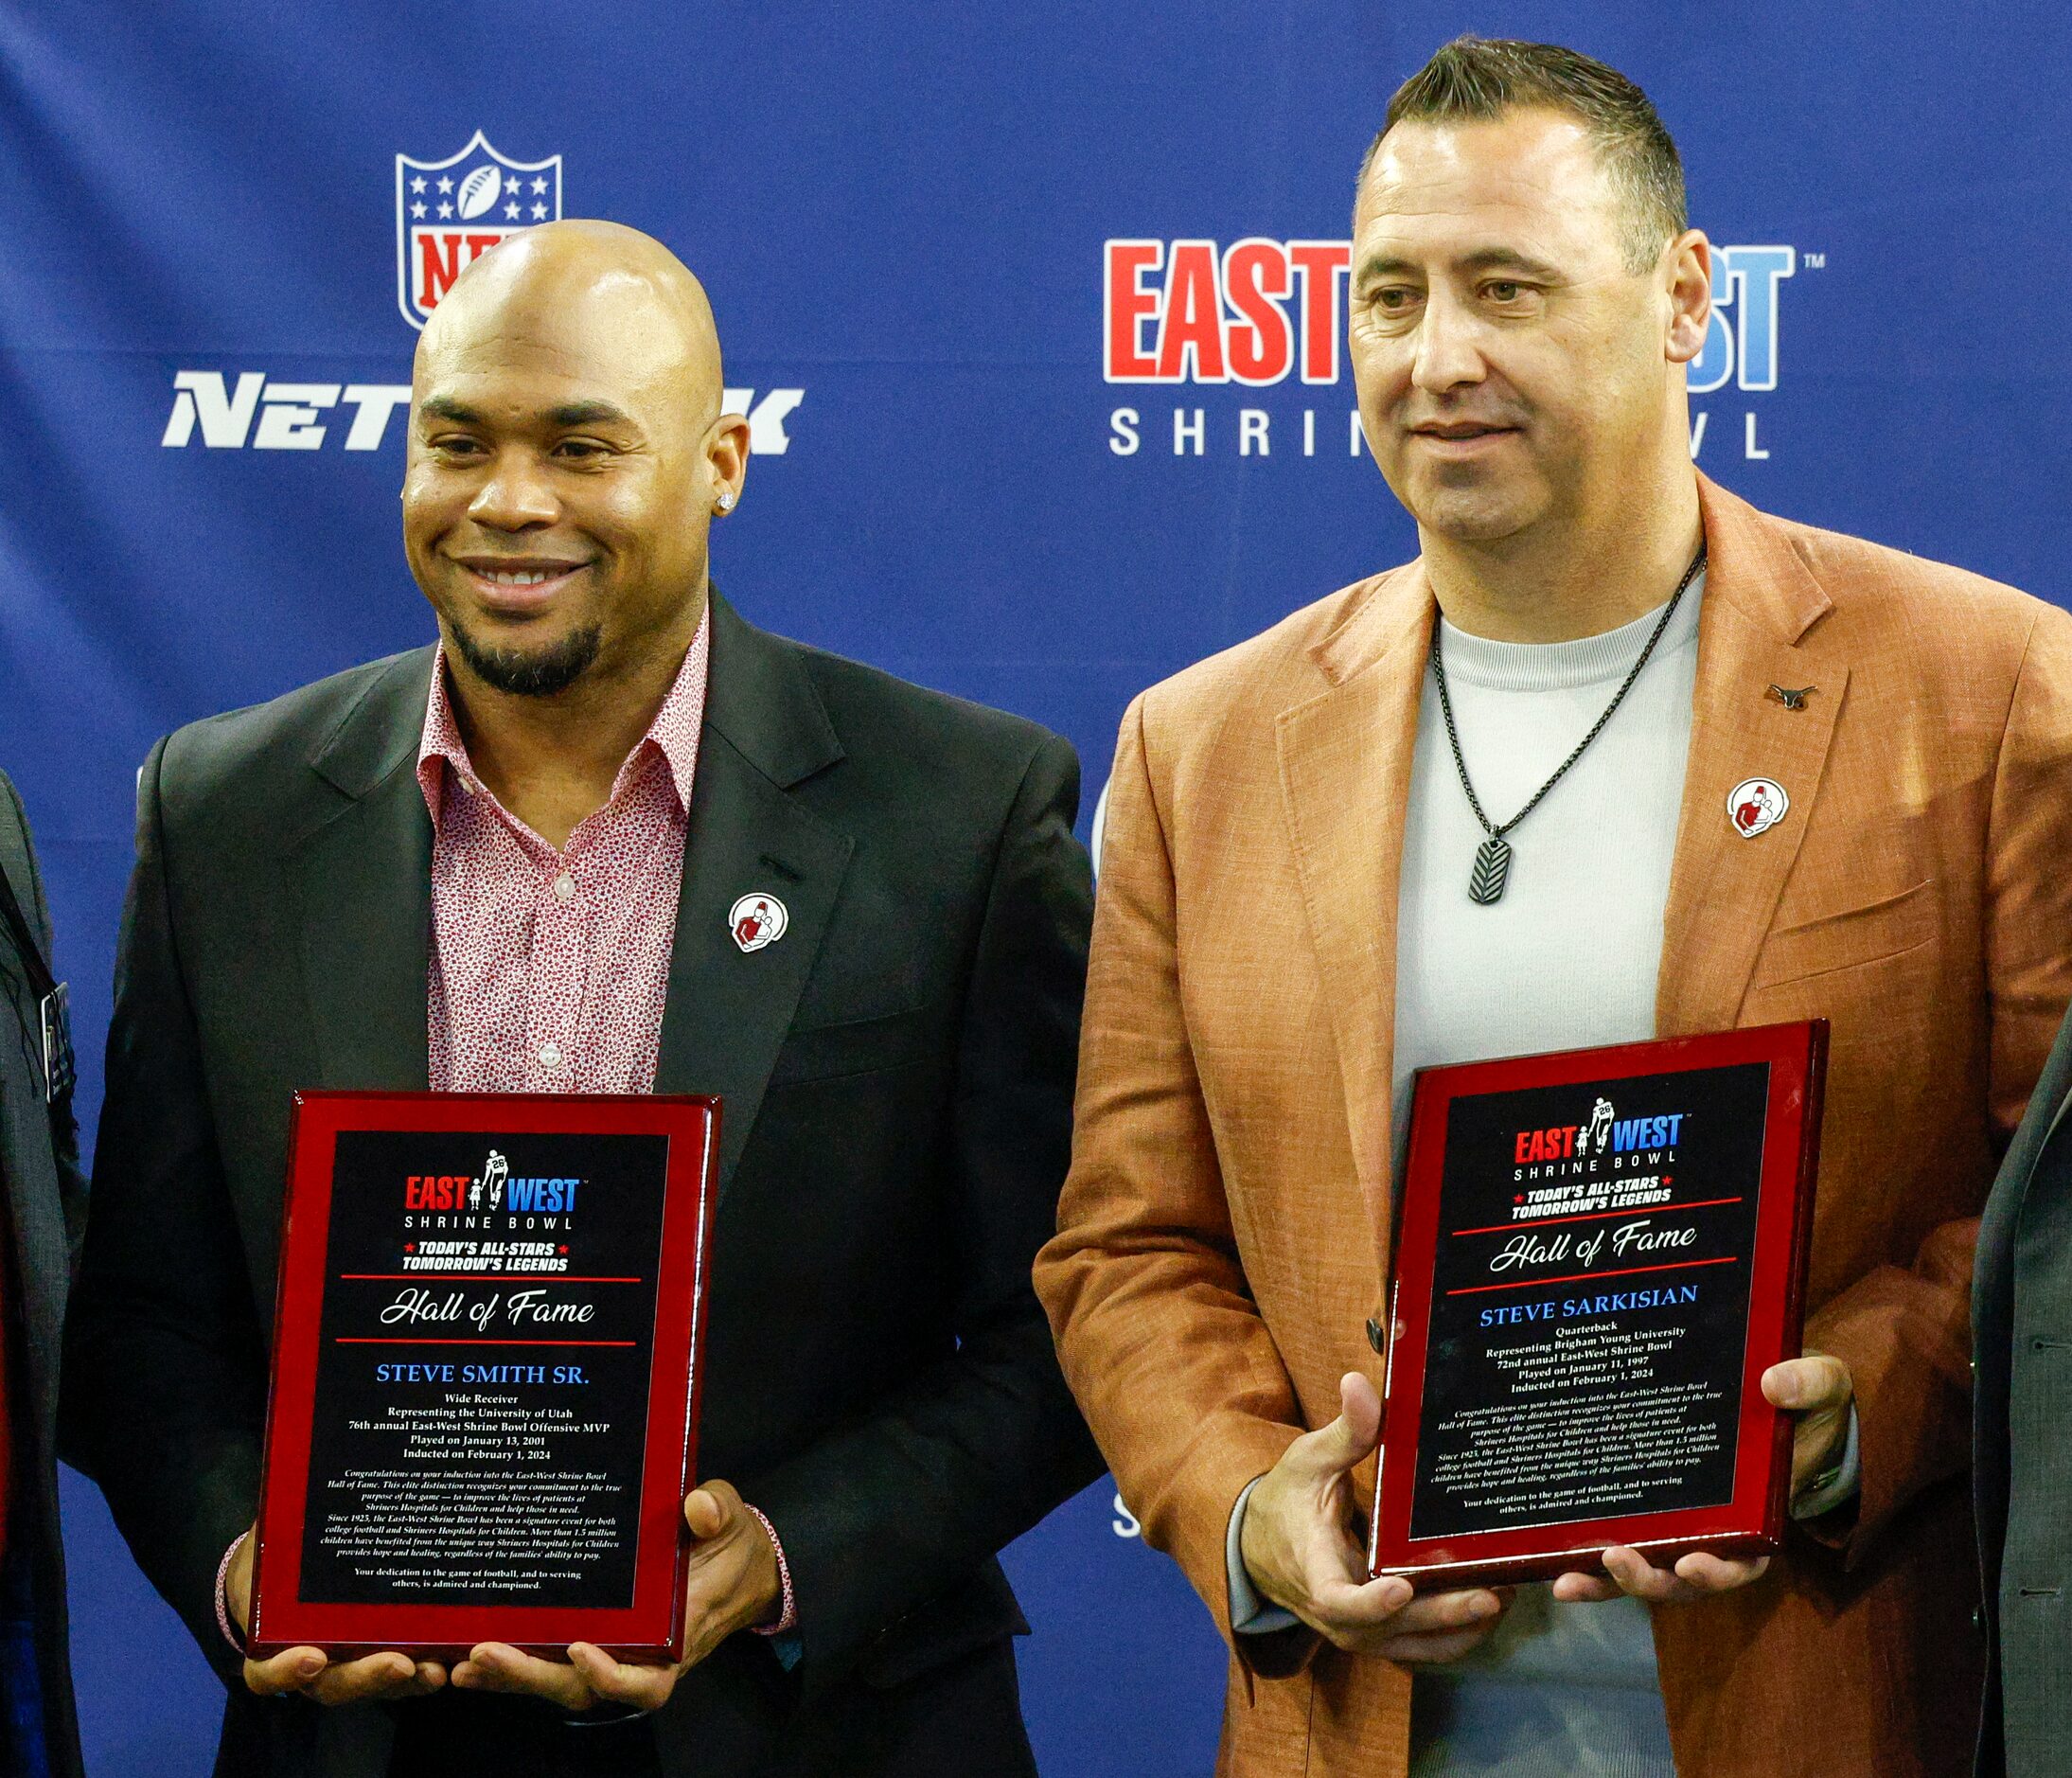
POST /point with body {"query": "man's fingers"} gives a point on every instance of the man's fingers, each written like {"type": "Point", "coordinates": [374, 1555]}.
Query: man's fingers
{"type": "Point", "coordinates": [1579, 1589]}
{"type": "Point", "coordinates": [1697, 1576]}
{"type": "Point", "coordinates": [1436, 1627]}
{"type": "Point", "coordinates": [1440, 1613]}
{"type": "Point", "coordinates": [1718, 1573]}
{"type": "Point", "coordinates": [499, 1667]}
{"type": "Point", "coordinates": [1638, 1576]}
{"type": "Point", "coordinates": [1809, 1384]}
{"type": "Point", "coordinates": [1359, 1604]}
{"type": "Point", "coordinates": [382, 1676]}
{"type": "Point", "coordinates": [644, 1688]}
{"type": "Point", "coordinates": [1355, 1612]}
{"type": "Point", "coordinates": [306, 1670]}
{"type": "Point", "coordinates": [288, 1671]}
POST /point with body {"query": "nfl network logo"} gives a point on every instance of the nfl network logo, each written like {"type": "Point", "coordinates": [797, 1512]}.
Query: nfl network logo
{"type": "Point", "coordinates": [450, 213]}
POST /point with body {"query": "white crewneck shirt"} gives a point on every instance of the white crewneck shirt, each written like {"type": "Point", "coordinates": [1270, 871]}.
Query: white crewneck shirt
{"type": "Point", "coordinates": [1567, 959]}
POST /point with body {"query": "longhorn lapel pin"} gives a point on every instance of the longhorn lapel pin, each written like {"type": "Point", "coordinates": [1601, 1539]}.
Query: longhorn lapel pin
{"type": "Point", "coordinates": [1792, 700]}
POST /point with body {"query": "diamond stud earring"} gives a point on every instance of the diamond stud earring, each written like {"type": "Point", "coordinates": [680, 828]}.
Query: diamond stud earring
{"type": "Point", "coordinates": [726, 500]}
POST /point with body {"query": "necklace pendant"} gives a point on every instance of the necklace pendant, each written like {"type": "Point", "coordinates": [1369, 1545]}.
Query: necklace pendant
{"type": "Point", "coordinates": [1492, 871]}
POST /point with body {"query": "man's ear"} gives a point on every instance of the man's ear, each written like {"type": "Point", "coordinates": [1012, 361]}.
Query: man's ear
{"type": "Point", "coordinates": [1688, 266]}
{"type": "Point", "coordinates": [726, 460]}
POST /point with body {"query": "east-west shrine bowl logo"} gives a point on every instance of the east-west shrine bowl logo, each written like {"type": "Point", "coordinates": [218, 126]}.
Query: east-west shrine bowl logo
{"type": "Point", "coordinates": [450, 213]}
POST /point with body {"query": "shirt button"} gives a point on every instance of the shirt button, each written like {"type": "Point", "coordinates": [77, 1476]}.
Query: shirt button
{"type": "Point", "coordinates": [550, 1055]}
{"type": "Point", "coordinates": [564, 887]}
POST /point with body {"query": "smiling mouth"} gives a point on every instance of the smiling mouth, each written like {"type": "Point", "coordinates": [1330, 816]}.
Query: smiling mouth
{"type": "Point", "coordinates": [519, 587]}
{"type": "Point", "coordinates": [1461, 433]}
{"type": "Point", "coordinates": [520, 576]}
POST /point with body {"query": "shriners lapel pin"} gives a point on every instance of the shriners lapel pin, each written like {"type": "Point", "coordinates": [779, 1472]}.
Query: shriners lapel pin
{"type": "Point", "coordinates": [1756, 804]}
{"type": "Point", "coordinates": [756, 920]}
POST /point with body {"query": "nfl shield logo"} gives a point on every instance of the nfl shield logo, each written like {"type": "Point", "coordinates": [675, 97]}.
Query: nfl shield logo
{"type": "Point", "coordinates": [450, 213]}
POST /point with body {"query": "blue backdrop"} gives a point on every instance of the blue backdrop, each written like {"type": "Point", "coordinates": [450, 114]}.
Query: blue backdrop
{"type": "Point", "coordinates": [1035, 311]}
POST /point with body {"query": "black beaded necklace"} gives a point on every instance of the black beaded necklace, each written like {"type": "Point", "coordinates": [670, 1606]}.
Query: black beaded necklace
{"type": "Point", "coordinates": [1493, 857]}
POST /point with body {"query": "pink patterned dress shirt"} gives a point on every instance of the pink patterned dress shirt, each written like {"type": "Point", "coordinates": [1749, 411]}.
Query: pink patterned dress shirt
{"type": "Point", "coordinates": [550, 968]}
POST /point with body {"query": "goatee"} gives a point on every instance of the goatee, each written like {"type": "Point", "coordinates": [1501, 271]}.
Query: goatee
{"type": "Point", "coordinates": [531, 672]}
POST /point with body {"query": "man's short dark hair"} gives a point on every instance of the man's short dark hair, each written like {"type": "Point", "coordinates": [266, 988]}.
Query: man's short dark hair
{"type": "Point", "coordinates": [1480, 78]}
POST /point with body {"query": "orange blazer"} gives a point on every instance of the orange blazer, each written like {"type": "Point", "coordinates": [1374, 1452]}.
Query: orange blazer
{"type": "Point", "coordinates": [1223, 1235]}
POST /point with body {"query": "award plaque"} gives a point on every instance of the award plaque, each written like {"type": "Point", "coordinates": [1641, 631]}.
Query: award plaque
{"type": "Point", "coordinates": [1599, 1253]}
{"type": "Point", "coordinates": [487, 1363]}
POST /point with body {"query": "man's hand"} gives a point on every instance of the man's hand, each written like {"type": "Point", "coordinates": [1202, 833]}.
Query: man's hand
{"type": "Point", "coordinates": [733, 1583]}
{"type": "Point", "coordinates": [1818, 1389]}
{"type": "Point", "coordinates": [309, 1671]}
{"type": "Point", "coordinates": [1299, 1548]}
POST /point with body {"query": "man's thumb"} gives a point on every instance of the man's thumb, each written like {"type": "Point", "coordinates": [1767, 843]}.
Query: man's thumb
{"type": "Point", "coordinates": [707, 1511]}
{"type": "Point", "coordinates": [1808, 1383]}
{"type": "Point", "coordinates": [1337, 1447]}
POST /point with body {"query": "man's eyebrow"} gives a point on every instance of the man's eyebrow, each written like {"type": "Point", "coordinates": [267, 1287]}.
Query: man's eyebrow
{"type": "Point", "coordinates": [588, 414]}
{"type": "Point", "coordinates": [1484, 259]}
{"type": "Point", "coordinates": [1510, 259]}
{"type": "Point", "coordinates": [445, 407]}
{"type": "Point", "coordinates": [1385, 265]}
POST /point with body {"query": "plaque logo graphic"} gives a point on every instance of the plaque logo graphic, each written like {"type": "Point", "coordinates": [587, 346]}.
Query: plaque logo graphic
{"type": "Point", "coordinates": [492, 1202]}
{"type": "Point", "coordinates": [1756, 804]}
{"type": "Point", "coordinates": [1597, 1133]}
{"type": "Point", "coordinates": [450, 213]}
{"type": "Point", "coordinates": [757, 920]}
{"type": "Point", "coordinates": [1627, 1140]}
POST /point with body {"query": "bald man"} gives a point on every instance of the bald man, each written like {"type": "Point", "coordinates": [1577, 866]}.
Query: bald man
{"type": "Point", "coordinates": [605, 836]}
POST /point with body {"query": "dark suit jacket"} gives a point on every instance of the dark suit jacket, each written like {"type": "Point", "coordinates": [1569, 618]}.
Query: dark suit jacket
{"type": "Point", "coordinates": [2021, 1463]}
{"type": "Point", "coordinates": [47, 1207]}
{"type": "Point", "coordinates": [896, 1073]}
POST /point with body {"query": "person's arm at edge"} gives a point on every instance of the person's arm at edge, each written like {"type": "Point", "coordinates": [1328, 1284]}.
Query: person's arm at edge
{"type": "Point", "coordinates": [163, 1396]}
{"type": "Point", "coordinates": [1906, 1332]}
{"type": "Point", "coordinates": [64, 1132]}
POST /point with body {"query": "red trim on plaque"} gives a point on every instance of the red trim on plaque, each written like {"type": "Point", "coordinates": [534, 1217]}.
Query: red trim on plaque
{"type": "Point", "coordinates": [652, 1628]}
{"type": "Point", "coordinates": [1753, 1521]}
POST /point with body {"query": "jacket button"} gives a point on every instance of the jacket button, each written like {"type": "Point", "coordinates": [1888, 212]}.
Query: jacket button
{"type": "Point", "coordinates": [1978, 1617]}
{"type": "Point", "coordinates": [1376, 1337]}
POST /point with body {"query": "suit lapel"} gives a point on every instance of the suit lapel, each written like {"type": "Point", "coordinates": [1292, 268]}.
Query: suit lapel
{"type": "Point", "coordinates": [729, 1011]}
{"type": "Point", "coordinates": [1758, 629]}
{"type": "Point", "coordinates": [1345, 770]}
{"type": "Point", "coordinates": [363, 878]}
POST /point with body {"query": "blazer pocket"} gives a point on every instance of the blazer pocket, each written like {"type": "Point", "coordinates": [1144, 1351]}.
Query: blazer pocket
{"type": "Point", "coordinates": [855, 1046]}
{"type": "Point", "coordinates": [1869, 932]}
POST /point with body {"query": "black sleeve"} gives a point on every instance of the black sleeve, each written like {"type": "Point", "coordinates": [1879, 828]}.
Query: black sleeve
{"type": "Point", "coordinates": [64, 1129]}
{"type": "Point", "coordinates": [973, 1451]}
{"type": "Point", "coordinates": [164, 1391]}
